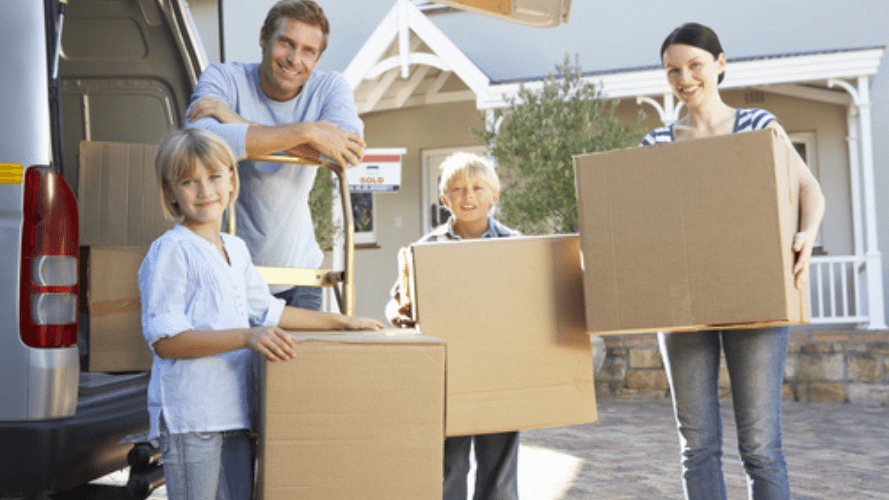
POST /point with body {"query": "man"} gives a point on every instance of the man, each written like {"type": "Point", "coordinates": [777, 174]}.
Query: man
{"type": "Point", "coordinates": [281, 104]}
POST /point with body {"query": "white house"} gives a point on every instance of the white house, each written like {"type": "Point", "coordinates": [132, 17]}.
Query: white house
{"type": "Point", "coordinates": [425, 77]}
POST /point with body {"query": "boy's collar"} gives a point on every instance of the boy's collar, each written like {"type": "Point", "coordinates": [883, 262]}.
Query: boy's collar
{"type": "Point", "coordinates": [454, 235]}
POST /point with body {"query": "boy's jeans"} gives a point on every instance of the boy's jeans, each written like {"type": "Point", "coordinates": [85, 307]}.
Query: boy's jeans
{"type": "Point", "coordinates": [207, 465]}
{"type": "Point", "coordinates": [755, 361]}
{"type": "Point", "coordinates": [496, 456]}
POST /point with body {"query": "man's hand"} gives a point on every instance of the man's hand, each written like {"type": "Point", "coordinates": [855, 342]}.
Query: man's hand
{"type": "Point", "coordinates": [344, 147]}
{"type": "Point", "coordinates": [309, 140]}
{"type": "Point", "coordinates": [213, 108]}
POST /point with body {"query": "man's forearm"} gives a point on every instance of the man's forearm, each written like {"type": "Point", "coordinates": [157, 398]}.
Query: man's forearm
{"type": "Point", "coordinates": [264, 139]}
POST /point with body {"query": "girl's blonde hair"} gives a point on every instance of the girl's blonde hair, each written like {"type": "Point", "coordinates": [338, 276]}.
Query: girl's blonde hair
{"type": "Point", "coordinates": [468, 166]}
{"type": "Point", "coordinates": [179, 153]}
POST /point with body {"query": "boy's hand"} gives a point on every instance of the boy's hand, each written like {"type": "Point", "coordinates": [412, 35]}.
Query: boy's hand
{"type": "Point", "coordinates": [403, 319]}
{"type": "Point", "coordinates": [398, 313]}
{"type": "Point", "coordinates": [272, 342]}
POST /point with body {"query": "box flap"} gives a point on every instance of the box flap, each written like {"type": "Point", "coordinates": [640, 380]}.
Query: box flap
{"type": "Point", "coordinates": [386, 336]}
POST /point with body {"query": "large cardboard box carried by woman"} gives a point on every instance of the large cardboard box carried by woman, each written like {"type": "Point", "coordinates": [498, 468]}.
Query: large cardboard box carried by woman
{"type": "Point", "coordinates": [690, 235]}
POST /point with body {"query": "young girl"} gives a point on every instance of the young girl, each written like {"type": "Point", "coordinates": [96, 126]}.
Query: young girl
{"type": "Point", "coordinates": [695, 65]}
{"type": "Point", "coordinates": [205, 309]}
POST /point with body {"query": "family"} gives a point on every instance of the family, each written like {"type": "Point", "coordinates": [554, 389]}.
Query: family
{"type": "Point", "coordinates": [207, 312]}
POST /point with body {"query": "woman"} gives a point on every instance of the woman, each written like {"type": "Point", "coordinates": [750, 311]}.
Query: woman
{"type": "Point", "coordinates": [695, 64]}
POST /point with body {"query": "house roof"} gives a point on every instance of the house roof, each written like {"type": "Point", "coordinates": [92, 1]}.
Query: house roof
{"type": "Point", "coordinates": [730, 60]}
{"type": "Point", "coordinates": [411, 59]}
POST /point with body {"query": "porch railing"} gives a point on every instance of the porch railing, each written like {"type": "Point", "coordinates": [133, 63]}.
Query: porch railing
{"type": "Point", "coordinates": [838, 290]}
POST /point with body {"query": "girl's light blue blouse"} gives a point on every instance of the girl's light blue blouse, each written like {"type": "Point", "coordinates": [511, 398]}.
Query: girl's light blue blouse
{"type": "Point", "coordinates": [186, 284]}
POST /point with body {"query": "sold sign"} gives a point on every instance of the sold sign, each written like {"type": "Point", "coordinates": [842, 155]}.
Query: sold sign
{"type": "Point", "coordinates": [379, 171]}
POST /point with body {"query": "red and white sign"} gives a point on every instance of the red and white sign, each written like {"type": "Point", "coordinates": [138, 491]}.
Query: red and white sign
{"type": "Point", "coordinates": [379, 171]}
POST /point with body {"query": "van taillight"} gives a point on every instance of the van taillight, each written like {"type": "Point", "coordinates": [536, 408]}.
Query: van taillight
{"type": "Point", "coordinates": [49, 261]}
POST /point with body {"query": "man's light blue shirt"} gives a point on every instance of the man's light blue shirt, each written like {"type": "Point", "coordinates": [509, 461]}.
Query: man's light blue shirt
{"type": "Point", "coordinates": [186, 284]}
{"type": "Point", "coordinates": [272, 209]}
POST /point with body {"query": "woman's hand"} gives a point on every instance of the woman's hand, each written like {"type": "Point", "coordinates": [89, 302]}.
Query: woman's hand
{"type": "Point", "coordinates": [272, 342]}
{"type": "Point", "coordinates": [803, 242]}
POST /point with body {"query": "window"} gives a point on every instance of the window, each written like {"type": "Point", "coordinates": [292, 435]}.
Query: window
{"type": "Point", "coordinates": [363, 218]}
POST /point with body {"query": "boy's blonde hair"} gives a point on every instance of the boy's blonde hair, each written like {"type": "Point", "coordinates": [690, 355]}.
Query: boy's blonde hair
{"type": "Point", "coordinates": [179, 153]}
{"type": "Point", "coordinates": [468, 166]}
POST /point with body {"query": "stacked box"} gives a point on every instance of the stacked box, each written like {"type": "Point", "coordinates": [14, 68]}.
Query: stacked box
{"type": "Point", "coordinates": [354, 415]}
{"type": "Point", "coordinates": [112, 309]}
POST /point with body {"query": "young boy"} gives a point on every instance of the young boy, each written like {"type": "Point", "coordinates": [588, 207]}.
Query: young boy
{"type": "Point", "coordinates": [469, 188]}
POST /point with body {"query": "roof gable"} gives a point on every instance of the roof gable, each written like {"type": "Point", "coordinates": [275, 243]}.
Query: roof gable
{"type": "Point", "coordinates": [408, 61]}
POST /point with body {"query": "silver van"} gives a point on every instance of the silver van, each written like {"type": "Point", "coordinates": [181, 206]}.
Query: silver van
{"type": "Point", "coordinates": [109, 70]}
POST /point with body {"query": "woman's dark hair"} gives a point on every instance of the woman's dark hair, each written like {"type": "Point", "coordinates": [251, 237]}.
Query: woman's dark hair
{"type": "Point", "coordinates": [695, 35]}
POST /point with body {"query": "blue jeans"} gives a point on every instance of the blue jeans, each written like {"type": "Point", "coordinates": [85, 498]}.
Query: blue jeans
{"type": "Point", "coordinates": [755, 361]}
{"type": "Point", "coordinates": [207, 465]}
{"type": "Point", "coordinates": [496, 475]}
{"type": "Point", "coordinates": [306, 297]}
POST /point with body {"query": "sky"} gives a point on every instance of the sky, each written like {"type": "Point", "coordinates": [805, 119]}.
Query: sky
{"type": "Point", "coordinates": [605, 35]}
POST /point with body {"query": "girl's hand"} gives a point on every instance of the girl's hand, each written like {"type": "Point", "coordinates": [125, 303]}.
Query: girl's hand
{"type": "Point", "coordinates": [272, 342]}
{"type": "Point", "coordinates": [353, 323]}
{"type": "Point", "coordinates": [802, 245]}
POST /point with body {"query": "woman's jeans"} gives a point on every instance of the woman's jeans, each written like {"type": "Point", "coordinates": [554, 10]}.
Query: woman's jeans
{"type": "Point", "coordinates": [207, 465]}
{"type": "Point", "coordinates": [755, 361]}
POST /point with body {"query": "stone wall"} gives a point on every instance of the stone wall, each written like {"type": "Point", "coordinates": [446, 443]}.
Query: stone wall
{"type": "Point", "coordinates": [822, 366]}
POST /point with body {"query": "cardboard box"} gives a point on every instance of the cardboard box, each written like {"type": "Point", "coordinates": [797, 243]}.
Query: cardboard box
{"type": "Point", "coordinates": [355, 415]}
{"type": "Point", "coordinates": [111, 307]}
{"type": "Point", "coordinates": [690, 235]}
{"type": "Point", "coordinates": [117, 195]}
{"type": "Point", "coordinates": [511, 313]}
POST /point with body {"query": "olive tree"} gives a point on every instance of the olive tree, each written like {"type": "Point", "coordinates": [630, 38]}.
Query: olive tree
{"type": "Point", "coordinates": [539, 131]}
{"type": "Point", "coordinates": [321, 200]}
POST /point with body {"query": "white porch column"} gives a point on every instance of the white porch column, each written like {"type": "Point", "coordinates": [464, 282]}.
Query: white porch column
{"type": "Point", "coordinates": [861, 98]}
{"type": "Point", "coordinates": [668, 113]}
{"type": "Point", "coordinates": [852, 141]}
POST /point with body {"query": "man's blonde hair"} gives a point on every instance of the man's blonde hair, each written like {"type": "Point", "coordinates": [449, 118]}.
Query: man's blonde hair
{"type": "Point", "coordinates": [468, 166]}
{"type": "Point", "coordinates": [178, 155]}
